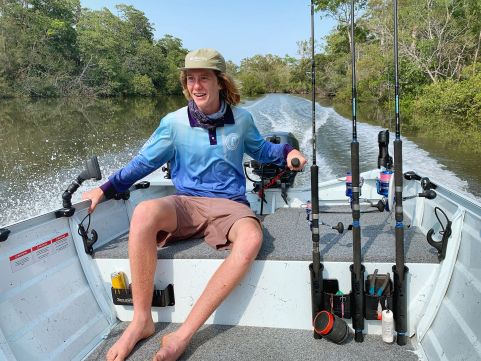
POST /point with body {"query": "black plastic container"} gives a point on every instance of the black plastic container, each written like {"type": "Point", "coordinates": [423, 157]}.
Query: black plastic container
{"type": "Point", "coordinates": [330, 326]}
{"type": "Point", "coordinates": [335, 302]}
{"type": "Point", "coordinates": [160, 298]}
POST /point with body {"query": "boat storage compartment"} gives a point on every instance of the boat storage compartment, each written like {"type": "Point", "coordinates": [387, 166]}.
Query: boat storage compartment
{"type": "Point", "coordinates": [160, 298]}
{"type": "Point", "coordinates": [334, 301]}
{"type": "Point", "coordinates": [372, 301]}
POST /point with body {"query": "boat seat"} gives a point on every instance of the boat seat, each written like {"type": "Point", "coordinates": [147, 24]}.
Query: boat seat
{"type": "Point", "coordinates": [288, 224]}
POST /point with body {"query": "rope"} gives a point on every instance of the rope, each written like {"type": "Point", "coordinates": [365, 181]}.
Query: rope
{"type": "Point", "coordinates": [271, 183]}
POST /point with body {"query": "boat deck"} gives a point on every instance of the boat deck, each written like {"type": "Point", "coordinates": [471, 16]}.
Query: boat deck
{"type": "Point", "coordinates": [236, 343]}
{"type": "Point", "coordinates": [287, 237]}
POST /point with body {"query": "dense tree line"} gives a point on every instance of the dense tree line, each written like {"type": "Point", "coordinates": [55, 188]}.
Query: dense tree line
{"type": "Point", "coordinates": [56, 48]}
{"type": "Point", "coordinates": [439, 58]}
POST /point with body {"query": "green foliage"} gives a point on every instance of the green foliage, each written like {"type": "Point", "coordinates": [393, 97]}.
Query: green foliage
{"type": "Point", "coordinates": [462, 99]}
{"type": "Point", "coordinates": [251, 84]}
{"type": "Point", "coordinates": [55, 48]}
{"type": "Point", "coordinates": [38, 47]}
{"type": "Point", "coordinates": [173, 54]}
{"type": "Point", "coordinates": [268, 73]}
{"type": "Point", "coordinates": [142, 85]}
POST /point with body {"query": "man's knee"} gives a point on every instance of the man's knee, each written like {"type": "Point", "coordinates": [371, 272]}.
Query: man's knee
{"type": "Point", "coordinates": [158, 214]}
{"type": "Point", "coordinates": [246, 239]}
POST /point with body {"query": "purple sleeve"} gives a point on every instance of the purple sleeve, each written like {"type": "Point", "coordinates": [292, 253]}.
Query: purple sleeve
{"type": "Point", "coordinates": [287, 149]}
{"type": "Point", "coordinates": [108, 189]}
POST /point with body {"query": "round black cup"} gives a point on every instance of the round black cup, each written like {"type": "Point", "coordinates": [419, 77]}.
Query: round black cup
{"type": "Point", "coordinates": [332, 327]}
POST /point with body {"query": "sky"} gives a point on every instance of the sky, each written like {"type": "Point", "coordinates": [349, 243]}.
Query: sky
{"type": "Point", "coordinates": [238, 29]}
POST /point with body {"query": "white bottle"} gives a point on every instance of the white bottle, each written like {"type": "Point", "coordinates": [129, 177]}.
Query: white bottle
{"type": "Point", "coordinates": [387, 326]}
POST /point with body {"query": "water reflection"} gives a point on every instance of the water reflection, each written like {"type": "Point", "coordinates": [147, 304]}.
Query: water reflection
{"type": "Point", "coordinates": [45, 142]}
{"type": "Point", "coordinates": [46, 134]}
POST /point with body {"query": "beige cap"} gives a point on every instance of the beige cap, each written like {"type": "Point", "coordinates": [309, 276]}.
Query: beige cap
{"type": "Point", "coordinates": [205, 59]}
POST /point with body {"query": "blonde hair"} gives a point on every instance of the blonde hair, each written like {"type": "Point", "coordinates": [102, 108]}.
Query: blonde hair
{"type": "Point", "coordinates": [229, 91]}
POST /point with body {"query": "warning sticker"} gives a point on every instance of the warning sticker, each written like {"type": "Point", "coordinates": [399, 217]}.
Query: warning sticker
{"type": "Point", "coordinates": [60, 243]}
{"type": "Point", "coordinates": [21, 260]}
{"type": "Point", "coordinates": [39, 252]}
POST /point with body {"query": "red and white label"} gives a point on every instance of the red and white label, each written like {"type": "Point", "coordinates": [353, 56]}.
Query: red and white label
{"type": "Point", "coordinates": [21, 260]}
{"type": "Point", "coordinates": [39, 252]}
{"type": "Point", "coordinates": [59, 243]}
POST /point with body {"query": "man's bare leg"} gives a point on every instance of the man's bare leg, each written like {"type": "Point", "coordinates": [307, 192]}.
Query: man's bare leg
{"type": "Point", "coordinates": [148, 218]}
{"type": "Point", "coordinates": [246, 238]}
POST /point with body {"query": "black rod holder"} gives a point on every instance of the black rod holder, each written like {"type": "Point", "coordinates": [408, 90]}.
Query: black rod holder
{"type": "Point", "coordinates": [91, 171]}
{"type": "Point", "coordinates": [357, 302]}
{"type": "Point", "coordinates": [400, 305]}
{"type": "Point", "coordinates": [316, 291]}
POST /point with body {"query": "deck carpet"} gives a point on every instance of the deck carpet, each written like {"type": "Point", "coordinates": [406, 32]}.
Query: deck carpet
{"type": "Point", "coordinates": [236, 343]}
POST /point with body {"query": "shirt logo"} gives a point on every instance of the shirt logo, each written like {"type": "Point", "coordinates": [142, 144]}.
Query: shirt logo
{"type": "Point", "coordinates": [231, 142]}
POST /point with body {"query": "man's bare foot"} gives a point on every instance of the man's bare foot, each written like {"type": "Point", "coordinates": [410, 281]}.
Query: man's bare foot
{"type": "Point", "coordinates": [173, 346]}
{"type": "Point", "coordinates": [134, 332]}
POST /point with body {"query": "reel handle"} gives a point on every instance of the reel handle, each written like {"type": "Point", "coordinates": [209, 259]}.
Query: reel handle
{"type": "Point", "coordinates": [295, 162]}
{"type": "Point", "coordinates": [339, 228]}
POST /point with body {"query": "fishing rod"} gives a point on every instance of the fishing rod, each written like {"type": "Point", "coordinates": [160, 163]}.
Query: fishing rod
{"type": "Point", "coordinates": [315, 267]}
{"type": "Point", "coordinates": [357, 269]}
{"type": "Point", "coordinates": [400, 270]}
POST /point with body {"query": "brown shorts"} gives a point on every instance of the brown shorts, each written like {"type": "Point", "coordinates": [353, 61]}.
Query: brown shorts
{"type": "Point", "coordinates": [203, 217]}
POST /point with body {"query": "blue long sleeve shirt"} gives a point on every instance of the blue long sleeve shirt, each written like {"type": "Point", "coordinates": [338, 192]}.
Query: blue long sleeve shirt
{"type": "Point", "coordinates": [204, 163]}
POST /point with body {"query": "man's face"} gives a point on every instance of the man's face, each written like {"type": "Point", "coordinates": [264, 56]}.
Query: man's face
{"type": "Point", "coordinates": [204, 88]}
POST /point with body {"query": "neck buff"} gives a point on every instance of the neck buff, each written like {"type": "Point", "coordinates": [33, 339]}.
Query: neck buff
{"type": "Point", "coordinates": [207, 121]}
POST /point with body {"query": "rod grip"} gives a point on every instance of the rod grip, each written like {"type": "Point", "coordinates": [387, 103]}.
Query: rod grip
{"type": "Point", "coordinates": [315, 188]}
{"type": "Point", "coordinates": [399, 235]}
{"type": "Point", "coordinates": [398, 179]}
{"type": "Point", "coordinates": [398, 211]}
{"type": "Point", "coordinates": [356, 249]}
{"type": "Point", "coordinates": [355, 180]}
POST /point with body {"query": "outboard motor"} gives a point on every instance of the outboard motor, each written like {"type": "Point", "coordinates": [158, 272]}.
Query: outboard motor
{"type": "Point", "coordinates": [271, 175]}
{"type": "Point", "coordinates": [385, 165]}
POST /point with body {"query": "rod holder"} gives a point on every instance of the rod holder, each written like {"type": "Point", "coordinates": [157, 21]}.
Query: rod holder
{"type": "Point", "coordinates": [400, 305]}
{"type": "Point", "coordinates": [91, 171]}
{"type": "Point", "coordinates": [357, 303]}
{"type": "Point", "coordinates": [316, 293]}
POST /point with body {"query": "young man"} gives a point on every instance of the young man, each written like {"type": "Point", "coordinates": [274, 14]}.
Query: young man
{"type": "Point", "coordinates": [205, 143]}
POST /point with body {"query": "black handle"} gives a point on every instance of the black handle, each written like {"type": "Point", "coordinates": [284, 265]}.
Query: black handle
{"type": "Point", "coordinates": [426, 184]}
{"type": "Point", "coordinates": [429, 194]}
{"type": "Point", "coordinates": [411, 176]}
{"type": "Point", "coordinates": [295, 162]}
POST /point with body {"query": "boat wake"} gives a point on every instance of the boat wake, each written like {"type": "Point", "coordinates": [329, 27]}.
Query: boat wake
{"type": "Point", "coordinates": [293, 114]}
